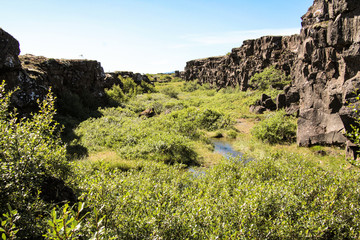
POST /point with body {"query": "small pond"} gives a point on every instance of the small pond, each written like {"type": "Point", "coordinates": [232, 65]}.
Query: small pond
{"type": "Point", "coordinates": [226, 149]}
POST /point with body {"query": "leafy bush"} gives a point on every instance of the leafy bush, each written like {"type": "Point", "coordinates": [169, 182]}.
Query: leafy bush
{"type": "Point", "coordinates": [170, 91]}
{"type": "Point", "coordinates": [166, 138]}
{"type": "Point", "coordinates": [270, 77]}
{"type": "Point", "coordinates": [30, 151]}
{"type": "Point", "coordinates": [116, 95]}
{"type": "Point", "coordinates": [129, 89]}
{"type": "Point", "coordinates": [165, 78]}
{"type": "Point", "coordinates": [190, 86]}
{"type": "Point", "coordinates": [276, 128]}
{"type": "Point", "coordinates": [354, 135]}
{"type": "Point", "coordinates": [287, 198]}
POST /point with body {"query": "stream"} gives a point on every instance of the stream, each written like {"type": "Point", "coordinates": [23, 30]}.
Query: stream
{"type": "Point", "coordinates": [224, 148]}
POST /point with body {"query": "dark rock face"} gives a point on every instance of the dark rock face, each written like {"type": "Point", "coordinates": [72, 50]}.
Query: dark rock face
{"type": "Point", "coordinates": [242, 63]}
{"type": "Point", "coordinates": [323, 60]}
{"type": "Point", "coordinates": [38, 74]}
{"type": "Point", "coordinates": [327, 70]}
{"type": "Point", "coordinates": [79, 80]}
{"type": "Point", "coordinates": [264, 104]}
{"type": "Point", "coordinates": [9, 60]}
{"type": "Point", "coordinates": [112, 78]}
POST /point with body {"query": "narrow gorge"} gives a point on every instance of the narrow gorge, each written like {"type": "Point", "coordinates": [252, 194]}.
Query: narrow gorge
{"type": "Point", "coordinates": [323, 62]}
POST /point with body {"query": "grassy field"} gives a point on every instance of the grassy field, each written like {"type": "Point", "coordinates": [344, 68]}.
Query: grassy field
{"type": "Point", "coordinates": [158, 177]}
{"type": "Point", "coordinates": [173, 100]}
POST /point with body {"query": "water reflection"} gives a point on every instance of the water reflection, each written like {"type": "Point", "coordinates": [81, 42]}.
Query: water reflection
{"type": "Point", "coordinates": [226, 149]}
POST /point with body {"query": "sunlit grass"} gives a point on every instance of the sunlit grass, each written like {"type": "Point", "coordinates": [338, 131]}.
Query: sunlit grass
{"type": "Point", "coordinates": [111, 160]}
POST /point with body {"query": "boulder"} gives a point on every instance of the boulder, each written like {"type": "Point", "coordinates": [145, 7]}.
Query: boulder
{"type": "Point", "coordinates": [9, 60]}
{"type": "Point", "coordinates": [280, 101]}
{"type": "Point", "coordinates": [257, 109]}
{"type": "Point", "coordinates": [269, 104]}
{"type": "Point", "coordinates": [150, 112]}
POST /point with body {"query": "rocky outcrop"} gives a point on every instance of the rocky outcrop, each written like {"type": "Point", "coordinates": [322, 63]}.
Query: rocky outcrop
{"type": "Point", "coordinates": [327, 70]}
{"type": "Point", "coordinates": [82, 78]}
{"type": "Point", "coordinates": [323, 61]}
{"type": "Point", "coordinates": [242, 63]}
{"type": "Point", "coordinates": [9, 60]}
{"type": "Point", "coordinates": [264, 104]}
{"type": "Point", "coordinates": [76, 83]}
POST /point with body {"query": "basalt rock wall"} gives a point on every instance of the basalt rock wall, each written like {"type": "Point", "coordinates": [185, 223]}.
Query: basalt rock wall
{"type": "Point", "coordinates": [9, 60]}
{"type": "Point", "coordinates": [72, 81]}
{"type": "Point", "coordinates": [82, 78]}
{"type": "Point", "coordinates": [242, 63]}
{"type": "Point", "coordinates": [323, 61]}
{"type": "Point", "coordinates": [327, 70]}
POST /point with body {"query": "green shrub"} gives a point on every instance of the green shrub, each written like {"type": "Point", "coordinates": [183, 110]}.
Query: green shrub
{"type": "Point", "coordinates": [190, 86]}
{"type": "Point", "coordinates": [276, 128]}
{"type": "Point", "coordinates": [354, 135]}
{"type": "Point", "coordinates": [166, 138]}
{"type": "Point", "coordinates": [232, 134]}
{"type": "Point", "coordinates": [170, 91]}
{"type": "Point", "coordinates": [270, 77]}
{"type": "Point", "coordinates": [116, 95]}
{"type": "Point", "coordinates": [165, 78]}
{"type": "Point", "coordinates": [272, 198]}
{"type": "Point", "coordinates": [30, 151]}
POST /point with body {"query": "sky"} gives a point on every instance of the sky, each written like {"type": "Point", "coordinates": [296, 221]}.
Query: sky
{"type": "Point", "coordinates": [146, 36]}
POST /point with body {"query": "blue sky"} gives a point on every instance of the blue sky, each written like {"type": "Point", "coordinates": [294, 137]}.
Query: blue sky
{"type": "Point", "coordinates": [145, 36]}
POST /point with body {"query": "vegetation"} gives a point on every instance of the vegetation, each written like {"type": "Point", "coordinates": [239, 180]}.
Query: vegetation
{"type": "Point", "coordinates": [126, 90]}
{"type": "Point", "coordinates": [276, 128]}
{"type": "Point", "coordinates": [270, 77]}
{"type": "Point", "coordinates": [30, 151]}
{"type": "Point", "coordinates": [141, 180]}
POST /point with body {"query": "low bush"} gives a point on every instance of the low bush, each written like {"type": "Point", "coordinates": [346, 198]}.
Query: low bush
{"type": "Point", "coordinates": [170, 91]}
{"type": "Point", "coordinates": [129, 89]}
{"type": "Point", "coordinates": [190, 86]}
{"type": "Point", "coordinates": [272, 198]}
{"type": "Point", "coordinates": [166, 138]}
{"type": "Point", "coordinates": [276, 128]}
{"type": "Point", "coordinates": [270, 77]}
{"type": "Point", "coordinates": [115, 95]}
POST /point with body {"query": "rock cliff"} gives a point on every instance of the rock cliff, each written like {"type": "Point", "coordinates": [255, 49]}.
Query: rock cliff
{"type": "Point", "coordinates": [9, 52]}
{"type": "Point", "coordinates": [327, 70]}
{"type": "Point", "coordinates": [76, 83]}
{"type": "Point", "coordinates": [242, 63]}
{"type": "Point", "coordinates": [83, 78]}
{"type": "Point", "coordinates": [323, 61]}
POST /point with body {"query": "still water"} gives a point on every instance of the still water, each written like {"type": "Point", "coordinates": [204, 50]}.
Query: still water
{"type": "Point", "coordinates": [226, 149]}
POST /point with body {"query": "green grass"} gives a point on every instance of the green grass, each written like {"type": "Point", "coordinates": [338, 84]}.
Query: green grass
{"type": "Point", "coordinates": [276, 198]}
{"type": "Point", "coordinates": [158, 178]}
